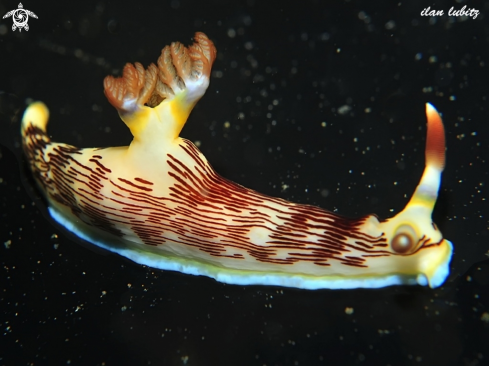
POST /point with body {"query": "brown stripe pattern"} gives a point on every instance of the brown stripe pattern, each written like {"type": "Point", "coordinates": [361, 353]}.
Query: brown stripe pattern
{"type": "Point", "coordinates": [202, 213]}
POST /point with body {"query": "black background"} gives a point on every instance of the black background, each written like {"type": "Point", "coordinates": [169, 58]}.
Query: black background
{"type": "Point", "coordinates": [363, 69]}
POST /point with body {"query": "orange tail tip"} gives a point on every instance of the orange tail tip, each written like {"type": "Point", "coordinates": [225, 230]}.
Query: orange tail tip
{"type": "Point", "coordinates": [435, 140]}
{"type": "Point", "coordinates": [179, 69]}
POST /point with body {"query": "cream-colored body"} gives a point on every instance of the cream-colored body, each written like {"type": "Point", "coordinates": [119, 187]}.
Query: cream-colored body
{"type": "Point", "coordinates": [160, 203]}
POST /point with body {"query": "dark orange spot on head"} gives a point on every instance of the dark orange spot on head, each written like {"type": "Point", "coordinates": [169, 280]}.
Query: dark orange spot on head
{"type": "Point", "coordinates": [402, 243]}
{"type": "Point", "coordinates": [404, 240]}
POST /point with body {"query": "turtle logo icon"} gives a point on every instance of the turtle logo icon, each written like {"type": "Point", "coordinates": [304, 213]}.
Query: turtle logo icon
{"type": "Point", "coordinates": [20, 17]}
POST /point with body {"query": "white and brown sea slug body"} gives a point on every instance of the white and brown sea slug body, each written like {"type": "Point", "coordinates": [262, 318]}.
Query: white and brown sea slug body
{"type": "Point", "coordinates": [159, 202]}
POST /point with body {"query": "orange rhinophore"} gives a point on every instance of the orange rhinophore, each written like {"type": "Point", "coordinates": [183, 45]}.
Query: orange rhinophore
{"type": "Point", "coordinates": [435, 139]}
{"type": "Point", "coordinates": [159, 202]}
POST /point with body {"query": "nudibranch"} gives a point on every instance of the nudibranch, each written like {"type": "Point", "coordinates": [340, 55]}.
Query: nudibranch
{"type": "Point", "coordinates": [159, 202]}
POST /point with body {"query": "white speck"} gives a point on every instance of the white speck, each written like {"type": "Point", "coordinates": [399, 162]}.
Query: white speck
{"type": "Point", "coordinates": [390, 25]}
{"type": "Point", "coordinates": [324, 36]}
{"type": "Point", "coordinates": [344, 109]}
{"type": "Point", "coordinates": [485, 317]}
{"type": "Point", "coordinates": [362, 15]}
